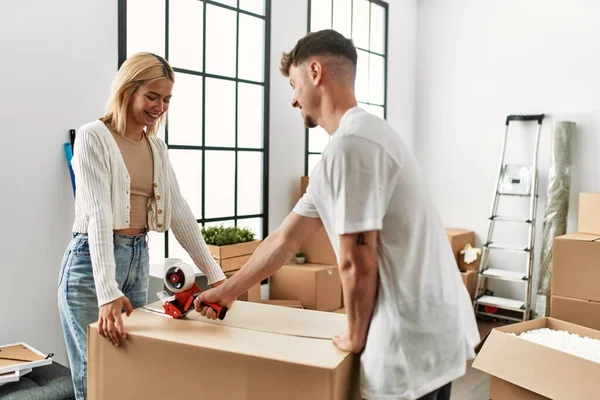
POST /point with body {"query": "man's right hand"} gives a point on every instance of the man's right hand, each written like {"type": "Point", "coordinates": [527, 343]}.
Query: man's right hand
{"type": "Point", "coordinates": [110, 321]}
{"type": "Point", "coordinates": [217, 296]}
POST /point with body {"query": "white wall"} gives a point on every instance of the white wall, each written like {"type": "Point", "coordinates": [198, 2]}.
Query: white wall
{"type": "Point", "coordinates": [58, 59]}
{"type": "Point", "coordinates": [481, 60]}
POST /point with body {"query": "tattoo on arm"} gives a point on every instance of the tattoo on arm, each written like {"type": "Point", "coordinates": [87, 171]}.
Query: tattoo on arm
{"type": "Point", "coordinates": [360, 240]}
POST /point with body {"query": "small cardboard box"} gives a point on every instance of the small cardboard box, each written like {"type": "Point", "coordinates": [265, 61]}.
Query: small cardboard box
{"type": "Point", "coordinates": [521, 369]}
{"type": "Point", "coordinates": [589, 213]}
{"type": "Point", "coordinates": [303, 184]}
{"type": "Point", "coordinates": [341, 310]}
{"type": "Point", "coordinates": [318, 287]}
{"type": "Point", "coordinates": [576, 266]}
{"type": "Point", "coordinates": [258, 352]}
{"type": "Point", "coordinates": [581, 312]}
{"type": "Point", "coordinates": [253, 294]}
{"type": "Point", "coordinates": [458, 239]}
{"type": "Point", "coordinates": [234, 256]}
{"type": "Point", "coordinates": [318, 250]}
{"type": "Point", "coordinates": [469, 278]}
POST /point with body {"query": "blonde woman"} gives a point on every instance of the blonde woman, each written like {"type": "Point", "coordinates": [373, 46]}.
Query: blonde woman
{"type": "Point", "coordinates": [125, 188]}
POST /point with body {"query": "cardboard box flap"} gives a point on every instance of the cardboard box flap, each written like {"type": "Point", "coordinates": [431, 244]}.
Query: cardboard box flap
{"type": "Point", "coordinates": [584, 237]}
{"type": "Point", "coordinates": [540, 369]}
{"type": "Point", "coordinates": [280, 320]}
{"type": "Point", "coordinates": [290, 349]}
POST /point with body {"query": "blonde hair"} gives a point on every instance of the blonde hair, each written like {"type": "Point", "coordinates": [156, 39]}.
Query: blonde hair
{"type": "Point", "coordinates": [138, 70]}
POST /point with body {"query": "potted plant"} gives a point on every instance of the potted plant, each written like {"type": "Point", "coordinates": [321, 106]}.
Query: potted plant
{"type": "Point", "coordinates": [231, 247]}
{"type": "Point", "coordinates": [300, 258]}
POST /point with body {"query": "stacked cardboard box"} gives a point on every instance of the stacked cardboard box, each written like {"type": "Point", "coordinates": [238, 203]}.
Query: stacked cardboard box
{"type": "Point", "coordinates": [576, 270]}
{"type": "Point", "coordinates": [317, 283]}
{"type": "Point", "coordinates": [458, 239]}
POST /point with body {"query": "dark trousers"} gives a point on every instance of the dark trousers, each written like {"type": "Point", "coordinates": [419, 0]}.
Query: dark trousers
{"type": "Point", "coordinates": [442, 393]}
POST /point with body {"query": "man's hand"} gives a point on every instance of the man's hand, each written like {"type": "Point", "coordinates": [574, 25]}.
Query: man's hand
{"type": "Point", "coordinates": [344, 343]}
{"type": "Point", "coordinates": [216, 295]}
{"type": "Point", "coordinates": [110, 322]}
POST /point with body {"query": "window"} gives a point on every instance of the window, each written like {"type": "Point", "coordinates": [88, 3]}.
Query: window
{"type": "Point", "coordinates": [216, 131]}
{"type": "Point", "coordinates": [366, 22]}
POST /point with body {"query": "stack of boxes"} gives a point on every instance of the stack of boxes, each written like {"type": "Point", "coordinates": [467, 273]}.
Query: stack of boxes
{"type": "Point", "coordinates": [316, 285]}
{"type": "Point", "coordinates": [576, 268]}
{"type": "Point", "coordinates": [458, 239]}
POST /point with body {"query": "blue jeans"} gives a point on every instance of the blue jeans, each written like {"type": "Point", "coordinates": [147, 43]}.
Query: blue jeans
{"type": "Point", "coordinates": [77, 301]}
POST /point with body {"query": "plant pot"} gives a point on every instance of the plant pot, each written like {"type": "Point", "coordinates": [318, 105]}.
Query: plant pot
{"type": "Point", "coordinates": [300, 260]}
{"type": "Point", "coordinates": [232, 257]}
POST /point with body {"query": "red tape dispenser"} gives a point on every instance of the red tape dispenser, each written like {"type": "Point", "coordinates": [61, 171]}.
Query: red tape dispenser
{"type": "Point", "coordinates": [181, 280]}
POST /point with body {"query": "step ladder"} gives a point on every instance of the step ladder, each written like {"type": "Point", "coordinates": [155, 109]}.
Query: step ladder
{"type": "Point", "coordinates": [521, 181]}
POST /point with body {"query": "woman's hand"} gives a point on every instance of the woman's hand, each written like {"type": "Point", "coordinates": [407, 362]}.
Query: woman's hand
{"type": "Point", "coordinates": [110, 321]}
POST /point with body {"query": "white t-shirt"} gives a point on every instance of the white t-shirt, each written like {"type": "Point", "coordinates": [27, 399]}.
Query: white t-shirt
{"type": "Point", "coordinates": [423, 328]}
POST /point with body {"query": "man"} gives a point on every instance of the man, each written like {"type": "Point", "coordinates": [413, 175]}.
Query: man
{"type": "Point", "coordinates": [409, 314]}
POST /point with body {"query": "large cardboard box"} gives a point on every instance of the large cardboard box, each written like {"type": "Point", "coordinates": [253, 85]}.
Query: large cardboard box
{"type": "Point", "coordinates": [258, 352]}
{"type": "Point", "coordinates": [589, 213]}
{"type": "Point", "coordinates": [458, 239]}
{"type": "Point", "coordinates": [521, 369]}
{"type": "Point", "coordinates": [318, 287]}
{"type": "Point", "coordinates": [318, 249]}
{"type": "Point", "coordinates": [581, 312]}
{"type": "Point", "coordinates": [576, 266]}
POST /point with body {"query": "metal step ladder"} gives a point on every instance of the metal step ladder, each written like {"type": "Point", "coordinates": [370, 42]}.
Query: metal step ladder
{"type": "Point", "coordinates": [521, 181]}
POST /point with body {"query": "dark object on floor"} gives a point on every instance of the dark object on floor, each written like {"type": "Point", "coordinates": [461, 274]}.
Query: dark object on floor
{"type": "Point", "coordinates": [442, 393]}
{"type": "Point", "coordinates": [50, 382]}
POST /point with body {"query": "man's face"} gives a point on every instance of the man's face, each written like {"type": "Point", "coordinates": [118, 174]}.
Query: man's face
{"type": "Point", "coordinates": [306, 96]}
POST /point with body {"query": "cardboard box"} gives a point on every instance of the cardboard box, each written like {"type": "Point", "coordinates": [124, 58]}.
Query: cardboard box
{"type": "Point", "coordinates": [318, 249]}
{"type": "Point", "coordinates": [469, 278]}
{"type": "Point", "coordinates": [458, 239]}
{"type": "Point", "coordinates": [284, 303]}
{"type": "Point", "coordinates": [253, 294]}
{"type": "Point", "coordinates": [581, 312]}
{"type": "Point", "coordinates": [520, 369]}
{"type": "Point", "coordinates": [589, 213]}
{"type": "Point", "coordinates": [235, 256]}
{"type": "Point", "coordinates": [341, 310]}
{"type": "Point", "coordinates": [303, 185]}
{"type": "Point", "coordinates": [259, 352]}
{"type": "Point", "coordinates": [576, 266]}
{"type": "Point", "coordinates": [318, 287]}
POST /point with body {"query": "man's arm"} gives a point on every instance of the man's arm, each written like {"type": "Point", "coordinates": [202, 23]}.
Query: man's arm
{"type": "Point", "coordinates": [358, 272]}
{"type": "Point", "coordinates": [269, 256]}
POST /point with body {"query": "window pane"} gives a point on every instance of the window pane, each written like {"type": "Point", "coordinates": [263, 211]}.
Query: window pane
{"type": "Point", "coordinates": [185, 111]}
{"type": "Point", "coordinates": [250, 173]}
{"type": "Point", "coordinates": [317, 139]}
{"type": "Point", "coordinates": [156, 247]}
{"type": "Point", "coordinates": [187, 165]}
{"type": "Point", "coordinates": [226, 223]}
{"type": "Point", "coordinates": [313, 159]}
{"type": "Point", "coordinates": [220, 178]}
{"type": "Point", "coordinates": [220, 44]}
{"type": "Point", "coordinates": [232, 3]}
{"type": "Point", "coordinates": [320, 15]}
{"type": "Point", "coordinates": [146, 26]}
{"type": "Point", "coordinates": [342, 17]}
{"type": "Point", "coordinates": [220, 113]}
{"type": "Point", "coordinates": [362, 77]}
{"type": "Point", "coordinates": [376, 79]}
{"type": "Point", "coordinates": [250, 115]}
{"type": "Point", "coordinates": [360, 24]}
{"type": "Point", "coordinates": [251, 48]}
{"type": "Point", "coordinates": [255, 6]}
{"type": "Point", "coordinates": [185, 34]}
{"type": "Point", "coordinates": [254, 224]}
{"type": "Point", "coordinates": [376, 110]}
{"type": "Point", "coordinates": [377, 28]}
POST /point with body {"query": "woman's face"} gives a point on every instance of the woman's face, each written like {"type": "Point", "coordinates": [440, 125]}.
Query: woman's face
{"type": "Point", "coordinates": [151, 101]}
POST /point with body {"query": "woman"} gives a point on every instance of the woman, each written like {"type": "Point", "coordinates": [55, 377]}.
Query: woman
{"type": "Point", "coordinates": [125, 187]}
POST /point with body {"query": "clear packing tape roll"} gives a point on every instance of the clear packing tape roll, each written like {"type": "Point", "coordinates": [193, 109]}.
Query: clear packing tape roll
{"type": "Point", "coordinates": [179, 277]}
{"type": "Point", "coordinates": [557, 206]}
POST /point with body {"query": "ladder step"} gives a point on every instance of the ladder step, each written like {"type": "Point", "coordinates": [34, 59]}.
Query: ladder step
{"type": "Point", "coordinates": [515, 194]}
{"type": "Point", "coordinates": [502, 274]}
{"type": "Point", "coordinates": [499, 316]}
{"type": "Point", "coordinates": [502, 302]}
{"type": "Point", "coordinates": [502, 218]}
{"type": "Point", "coordinates": [504, 247]}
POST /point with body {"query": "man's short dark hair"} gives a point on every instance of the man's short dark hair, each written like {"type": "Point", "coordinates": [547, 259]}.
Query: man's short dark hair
{"type": "Point", "coordinates": [321, 43]}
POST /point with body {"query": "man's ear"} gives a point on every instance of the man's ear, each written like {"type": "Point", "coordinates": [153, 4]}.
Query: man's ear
{"type": "Point", "coordinates": [315, 72]}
